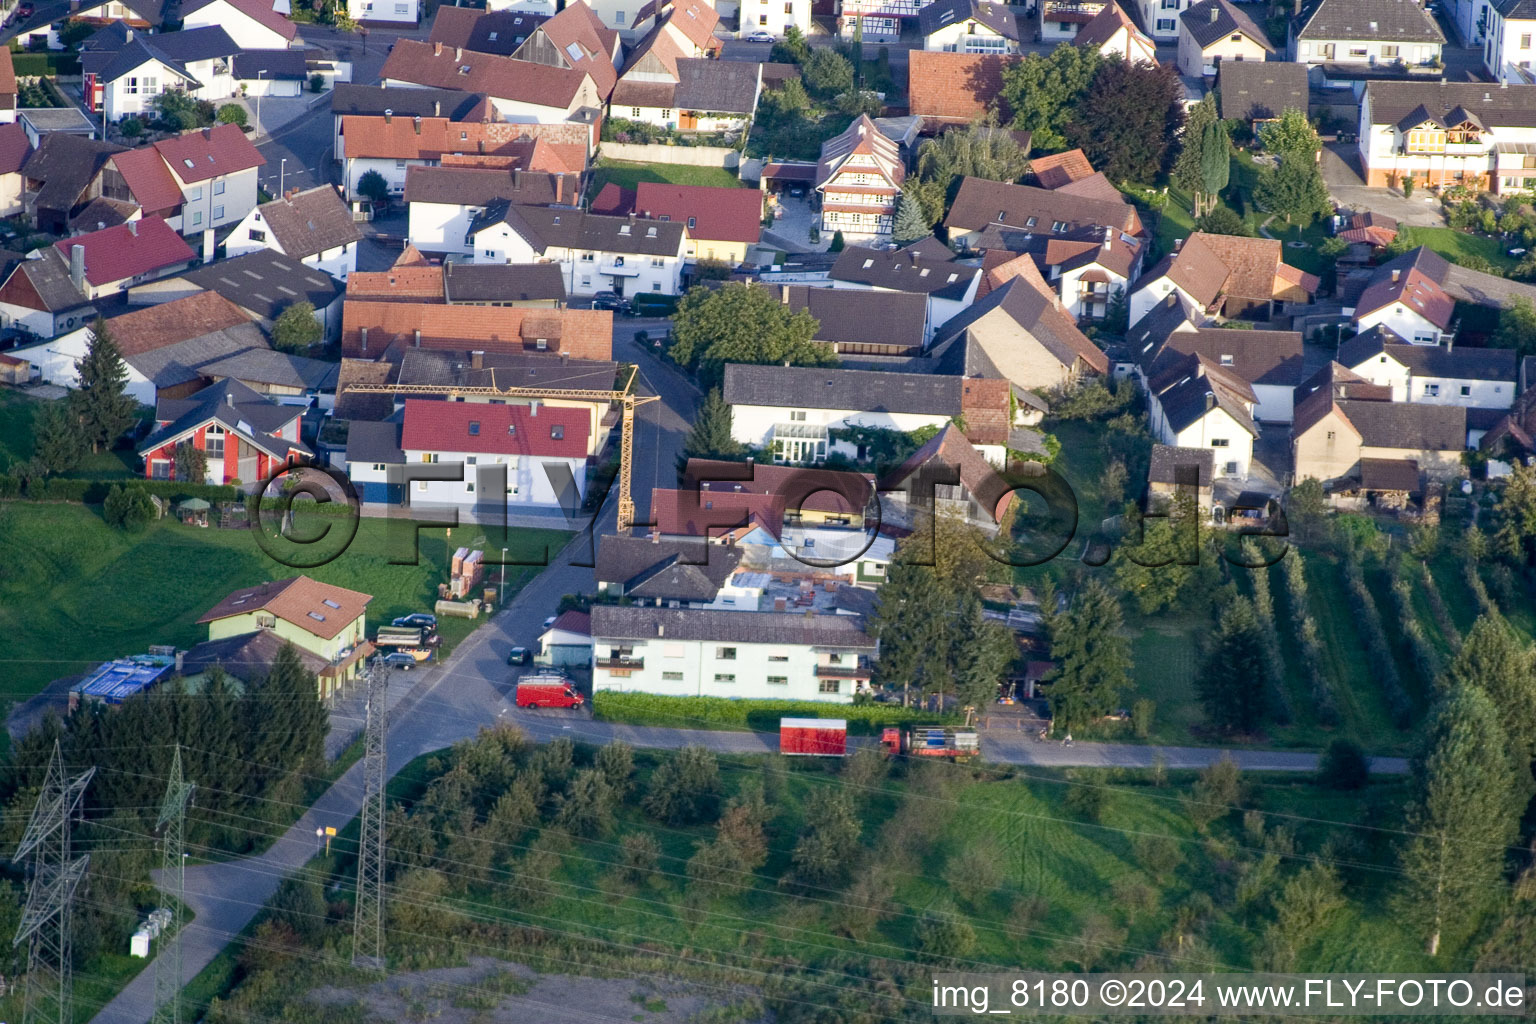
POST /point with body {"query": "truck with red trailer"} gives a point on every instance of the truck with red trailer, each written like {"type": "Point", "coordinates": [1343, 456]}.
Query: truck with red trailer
{"type": "Point", "coordinates": [813, 737]}
{"type": "Point", "coordinates": [932, 741]}
{"type": "Point", "coordinates": [547, 690]}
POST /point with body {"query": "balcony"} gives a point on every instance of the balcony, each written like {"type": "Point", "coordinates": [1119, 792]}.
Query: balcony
{"type": "Point", "coordinates": [621, 664]}
{"type": "Point", "coordinates": [620, 267]}
{"type": "Point", "coordinates": [842, 671]}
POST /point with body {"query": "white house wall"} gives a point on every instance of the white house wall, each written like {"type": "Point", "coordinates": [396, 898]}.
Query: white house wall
{"type": "Point", "coordinates": [687, 668]}
{"type": "Point", "coordinates": [527, 482]}
{"type": "Point", "coordinates": [56, 359]}
{"type": "Point", "coordinates": [1402, 321]}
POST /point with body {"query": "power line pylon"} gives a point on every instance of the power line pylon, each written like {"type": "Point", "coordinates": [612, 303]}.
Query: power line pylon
{"type": "Point", "coordinates": [368, 922]}
{"type": "Point", "coordinates": [45, 920]}
{"type": "Point", "coordinates": [173, 823]}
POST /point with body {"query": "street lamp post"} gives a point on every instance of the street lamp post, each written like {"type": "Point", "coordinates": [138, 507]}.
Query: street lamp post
{"type": "Point", "coordinates": [258, 99]}
{"type": "Point", "coordinates": [281, 167]}
{"type": "Point", "coordinates": [501, 592]}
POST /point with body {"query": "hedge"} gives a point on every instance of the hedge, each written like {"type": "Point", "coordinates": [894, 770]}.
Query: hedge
{"type": "Point", "coordinates": [45, 65]}
{"type": "Point", "coordinates": [94, 492]}
{"type": "Point", "coordinates": [744, 715]}
{"type": "Point", "coordinates": [655, 303]}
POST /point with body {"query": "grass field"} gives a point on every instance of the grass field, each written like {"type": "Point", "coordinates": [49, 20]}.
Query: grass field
{"type": "Point", "coordinates": [1046, 906]}
{"type": "Point", "coordinates": [1456, 246]}
{"type": "Point", "coordinates": [74, 591]}
{"type": "Point", "coordinates": [17, 413]}
{"type": "Point", "coordinates": [627, 175]}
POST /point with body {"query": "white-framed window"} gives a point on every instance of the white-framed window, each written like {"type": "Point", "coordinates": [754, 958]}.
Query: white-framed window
{"type": "Point", "coordinates": [1220, 442]}
{"type": "Point", "coordinates": [1466, 390]}
{"type": "Point", "coordinates": [725, 654]}
{"type": "Point", "coordinates": [421, 485]}
{"type": "Point", "coordinates": [797, 415]}
{"type": "Point", "coordinates": [672, 677]}
{"type": "Point", "coordinates": [213, 441]}
{"type": "Point", "coordinates": [1166, 24]}
{"type": "Point", "coordinates": [1431, 390]}
{"type": "Point", "coordinates": [778, 680]}
{"type": "Point", "coordinates": [634, 112]}
{"type": "Point", "coordinates": [197, 217]}
{"type": "Point", "coordinates": [830, 686]}
{"type": "Point", "coordinates": [160, 469]}
{"type": "Point", "coordinates": [194, 194]}
{"type": "Point", "coordinates": [218, 213]}
{"type": "Point", "coordinates": [218, 188]}
{"type": "Point", "coordinates": [725, 677]}
{"type": "Point", "coordinates": [402, 9]}
{"type": "Point", "coordinates": [665, 113]}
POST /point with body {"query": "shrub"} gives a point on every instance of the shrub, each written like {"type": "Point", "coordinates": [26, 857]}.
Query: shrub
{"type": "Point", "coordinates": [685, 790]}
{"type": "Point", "coordinates": [129, 508]}
{"type": "Point", "coordinates": [131, 127]}
{"type": "Point", "coordinates": [974, 873]}
{"type": "Point", "coordinates": [943, 934]}
{"type": "Point", "coordinates": [316, 82]}
{"type": "Point", "coordinates": [232, 113]}
{"type": "Point", "coordinates": [639, 854]}
{"type": "Point", "coordinates": [1343, 766]}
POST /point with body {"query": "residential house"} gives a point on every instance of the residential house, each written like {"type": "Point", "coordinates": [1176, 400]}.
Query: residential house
{"type": "Point", "coordinates": [41, 295]}
{"type": "Point", "coordinates": [463, 284]}
{"type": "Point", "coordinates": [351, 100]}
{"type": "Point", "coordinates": [857, 322]}
{"type": "Point", "coordinates": [385, 13]}
{"type": "Point", "coordinates": [1170, 338]}
{"type": "Point", "coordinates": [1514, 434]}
{"type": "Point", "coordinates": [1449, 133]}
{"type": "Point", "coordinates": [1213, 31]}
{"type": "Point", "coordinates": [1173, 471]}
{"type": "Point", "coordinates": [525, 455]}
{"type": "Point", "coordinates": [516, 89]}
{"type": "Point", "coordinates": [688, 94]}
{"type": "Point", "coordinates": [327, 621]}
{"type": "Point", "coordinates": [1056, 170]}
{"type": "Point", "coordinates": [246, 657]}
{"type": "Point", "coordinates": [859, 178]}
{"type": "Point", "coordinates": [1224, 275]}
{"type": "Point", "coordinates": [1343, 420]}
{"type": "Point", "coordinates": [1372, 229]}
{"type": "Point", "coordinates": [1200, 403]}
{"type": "Point", "coordinates": [263, 284]}
{"type": "Point", "coordinates": [244, 435]}
{"type": "Point", "coordinates": [1405, 296]}
{"type": "Point", "coordinates": [689, 24]}
{"type": "Point", "coordinates": [62, 175]}
{"type": "Point", "coordinates": [393, 145]}
{"type": "Point", "coordinates": [948, 287]}
{"type": "Point", "coordinates": [1114, 34]}
{"type": "Point", "coordinates": [498, 32]}
{"type": "Point", "coordinates": [947, 475]}
{"type": "Point", "coordinates": [673, 573]}
{"type": "Point", "coordinates": [1062, 20]}
{"type": "Point", "coordinates": [1478, 378]}
{"type": "Point", "coordinates": [719, 223]}
{"type": "Point", "coordinates": [1366, 38]}
{"type": "Point", "coordinates": [980, 203]}
{"type": "Point", "coordinates": [139, 185]}
{"type": "Point", "coordinates": [1086, 266]}
{"type": "Point", "coordinates": [127, 70]}
{"type": "Point", "coordinates": [1255, 92]}
{"type": "Point", "coordinates": [370, 328]}
{"type": "Point", "coordinates": [774, 16]}
{"type": "Point", "coordinates": [567, 643]}
{"type": "Point", "coordinates": [1510, 46]}
{"type": "Point", "coordinates": [576, 40]}
{"type": "Point", "coordinates": [372, 452]}
{"type": "Point", "coordinates": [878, 21]}
{"type": "Point", "coordinates": [805, 414]}
{"type": "Point", "coordinates": [1160, 18]}
{"type": "Point", "coordinates": [708, 653]}
{"type": "Point", "coordinates": [283, 73]}
{"type": "Point", "coordinates": [954, 88]}
{"type": "Point", "coordinates": [1021, 332]}
{"type": "Point", "coordinates": [141, 15]}
{"type": "Point", "coordinates": [623, 254]}
{"type": "Point", "coordinates": [112, 260]}
{"type": "Point", "coordinates": [968, 26]}
{"type": "Point", "coordinates": [1473, 20]}
{"type": "Point", "coordinates": [252, 24]}
{"type": "Point", "coordinates": [15, 150]}
{"type": "Point", "coordinates": [215, 169]}
{"type": "Point", "coordinates": [314, 227]}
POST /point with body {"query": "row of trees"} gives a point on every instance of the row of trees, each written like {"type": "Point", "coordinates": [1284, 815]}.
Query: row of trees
{"type": "Point", "coordinates": [97, 412]}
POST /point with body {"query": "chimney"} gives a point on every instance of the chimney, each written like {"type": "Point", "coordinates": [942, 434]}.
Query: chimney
{"type": "Point", "coordinates": [477, 360]}
{"type": "Point", "coordinates": [784, 294]}
{"type": "Point", "coordinates": [480, 146]}
{"type": "Point", "coordinates": [418, 337]}
{"type": "Point", "coordinates": [77, 266]}
{"type": "Point", "coordinates": [389, 116]}
{"type": "Point", "coordinates": [1214, 12]}
{"type": "Point", "coordinates": [1396, 276]}
{"type": "Point", "coordinates": [517, 178]}
{"type": "Point", "coordinates": [661, 630]}
{"type": "Point", "coordinates": [437, 108]}
{"type": "Point", "coordinates": [209, 249]}
{"type": "Point", "coordinates": [127, 35]}
{"type": "Point", "coordinates": [133, 228]}
{"type": "Point", "coordinates": [229, 399]}
{"type": "Point", "coordinates": [559, 188]}
{"type": "Point", "coordinates": [458, 53]}
{"type": "Point", "coordinates": [533, 409]}
{"type": "Point", "coordinates": [655, 537]}
{"type": "Point", "coordinates": [180, 656]}
{"type": "Point", "coordinates": [417, 122]}
{"type": "Point", "coordinates": [363, 333]}
{"type": "Point", "coordinates": [1109, 234]}
{"type": "Point", "coordinates": [1210, 401]}
{"type": "Point", "coordinates": [437, 49]}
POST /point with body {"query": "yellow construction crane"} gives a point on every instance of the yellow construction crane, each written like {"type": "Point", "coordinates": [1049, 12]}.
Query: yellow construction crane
{"type": "Point", "coordinates": [626, 397]}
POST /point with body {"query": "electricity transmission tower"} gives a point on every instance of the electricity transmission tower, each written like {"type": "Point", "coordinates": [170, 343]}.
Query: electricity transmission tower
{"type": "Point", "coordinates": [368, 924]}
{"type": "Point", "coordinates": [173, 822]}
{"type": "Point", "coordinates": [45, 920]}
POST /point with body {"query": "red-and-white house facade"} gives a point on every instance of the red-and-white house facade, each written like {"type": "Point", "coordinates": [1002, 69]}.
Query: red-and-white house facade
{"type": "Point", "coordinates": [244, 436]}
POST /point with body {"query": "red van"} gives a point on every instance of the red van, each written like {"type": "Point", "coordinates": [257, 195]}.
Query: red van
{"type": "Point", "coordinates": [547, 692]}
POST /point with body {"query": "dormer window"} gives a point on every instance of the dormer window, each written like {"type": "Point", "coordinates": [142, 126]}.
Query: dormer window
{"type": "Point", "coordinates": [651, 232]}
{"type": "Point", "coordinates": [1031, 222]}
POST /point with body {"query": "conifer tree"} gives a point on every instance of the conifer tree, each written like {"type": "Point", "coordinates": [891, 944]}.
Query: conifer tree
{"type": "Point", "coordinates": [1233, 684]}
{"type": "Point", "coordinates": [1091, 656]}
{"type": "Point", "coordinates": [100, 403]}
{"type": "Point", "coordinates": [711, 437]}
{"type": "Point", "coordinates": [911, 225]}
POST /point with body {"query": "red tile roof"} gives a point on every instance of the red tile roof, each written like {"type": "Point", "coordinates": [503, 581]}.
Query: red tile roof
{"type": "Point", "coordinates": [397, 284]}
{"type": "Point", "coordinates": [14, 147]}
{"type": "Point", "coordinates": [954, 86]}
{"type": "Point", "coordinates": [317, 608]}
{"type": "Point", "coordinates": [577, 333]}
{"type": "Point", "coordinates": [148, 179]}
{"type": "Point", "coordinates": [7, 73]}
{"type": "Point", "coordinates": [719, 214]}
{"type": "Point", "coordinates": [127, 250]}
{"type": "Point", "coordinates": [438, 138]}
{"type": "Point", "coordinates": [1060, 169]}
{"type": "Point", "coordinates": [437, 66]}
{"type": "Point", "coordinates": [494, 429]}
{"type": "Point", "coordinates": [155, 327]}
{"type": "Point", "coordinates": [614, 201]}
{"type": "Point", "coordinates": [578, 24]}
{"type": "Point", "coordinates": [208, 153]}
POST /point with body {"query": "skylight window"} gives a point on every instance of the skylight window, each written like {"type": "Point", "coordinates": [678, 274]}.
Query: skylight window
{"type": "Point", "coordinates": [189, 163]}
{"type": "Point", "coordinates": [868, 264]}
{"type": "Point", "coordinates": [492, 36]}
{"type": "Point", "coordinates": [623, 229]}
{"type": "Point", "coordinates": [317, 616]}
{"type": "Point", "coordinates": [574, 51]}
{"type": "Point", "coordinates": [651, 232]}
{"type": "Point", "coordinates": [331, 604]}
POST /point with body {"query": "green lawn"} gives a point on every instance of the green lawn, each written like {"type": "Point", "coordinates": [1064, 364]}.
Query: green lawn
{"type": "Point", "coordinates": [628, 175]}
{"type": "Point", "coordinates": [17, 413]}
{"type": "Point", "coordinates": [74, 591]}
{"type": "Point", "coordinates": [1456, 246]}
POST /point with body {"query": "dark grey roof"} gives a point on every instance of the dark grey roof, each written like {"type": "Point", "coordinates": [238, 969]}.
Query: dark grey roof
{"type": "Point", "coordinates": [66, 165]}
{"type": "Point", "coordinates": [269, 366]}
{"type": "Point", "coordinates": [1497, 106]}
{"type": "Point", "coordinates": [502, 282]}
{"type": "Point", "coordinates": [236, 407]}
{"type": "Point", "coordinates": [49, 276]}
{"type": "Point", "coordinates": [498, 32]}
{"type": "Point", "coordinates": [1167, 459]}
{"type": "Point", "coordinates": [611, 622]}
{"type": "Point", "coordinates": [1528, 373]}
{"type": "Point", "coordinates": [310, 222]}
{"type": "Point", "coordinates": [266, 282]}
{"type": "Point", "coordinates": [373, 100]}
{"type": "Point", "coordinates": [1210, 20]}
{"type": "Point", "coordinates": [173, 49]}
{"type": "Point", "coordinates": [1254, 90]}
{"type": "Point", "coordinates": [373, 441]}
{"type": "Point", "coordinates": [1524, 10]}
{"type": "Point", "coordinates": [1389, 21]}
{"type": "Point", "coordinates": [945, 13]}
{"type": "Point", "coordinates": [1462, 363]}
{"type": "Point", "coordinates": [504, 370]}
{"type": "Point", "coordinates": [1257, 357]}
{"type": "Point", "coordinates": [858, 390]}
{"type": "Point", "coordinates": [907, 270]}
{"type": "Point", "coordinates": [152, 11]}
{"type": "Point", "coordinates": [1411, 425]}
{"type": "Point", "coordinates": [674, 569]}
{"type": "Point", "coordinates": [853, 316]}
{"type": "Point", "coordinates": [1185, 402]}
{"type": "Point", "coordinates": [478, 186]}
{"type": "Point", "coordinates": [272, 65]}
{"type": "Point", "coordinates": [246, 656]}
{"type": "Point", "coordinates": [729, 86]}
{"type": "Point", "coordinates": [187, 360]}
{"type": "Point", "coordinates": [1467, 285]}
{"type": "Point", "coordinates": [542, 227]}
{"type": "Point", "coordinates": [101, 213]}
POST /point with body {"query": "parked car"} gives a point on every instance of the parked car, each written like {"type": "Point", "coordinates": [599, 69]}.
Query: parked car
{"type": "Point", "coordinates": [24, 11]}
{"type": "Point", "coordinates": [797, 191]}
{"type": "Point", "coordinates": [519, 656]}
{"type": "Point", "coordinates": [611, 300]}
{"type": "Point", "coordinates": [550, 621]}
{"type": "Point", "coordinates": [760, 37]}
{"type": "Point", "coordinates": [399, 659]}
{"type": "Point", "coordinates": [419, 653]}
{"type": "Point", "coordinates": [424, 620]}
{"type": "Point", "coordinates": [551, 691]}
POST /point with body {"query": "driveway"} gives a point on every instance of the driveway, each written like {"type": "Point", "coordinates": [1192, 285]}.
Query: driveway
{"type": "Point", "coordinates": [1341, 173]}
